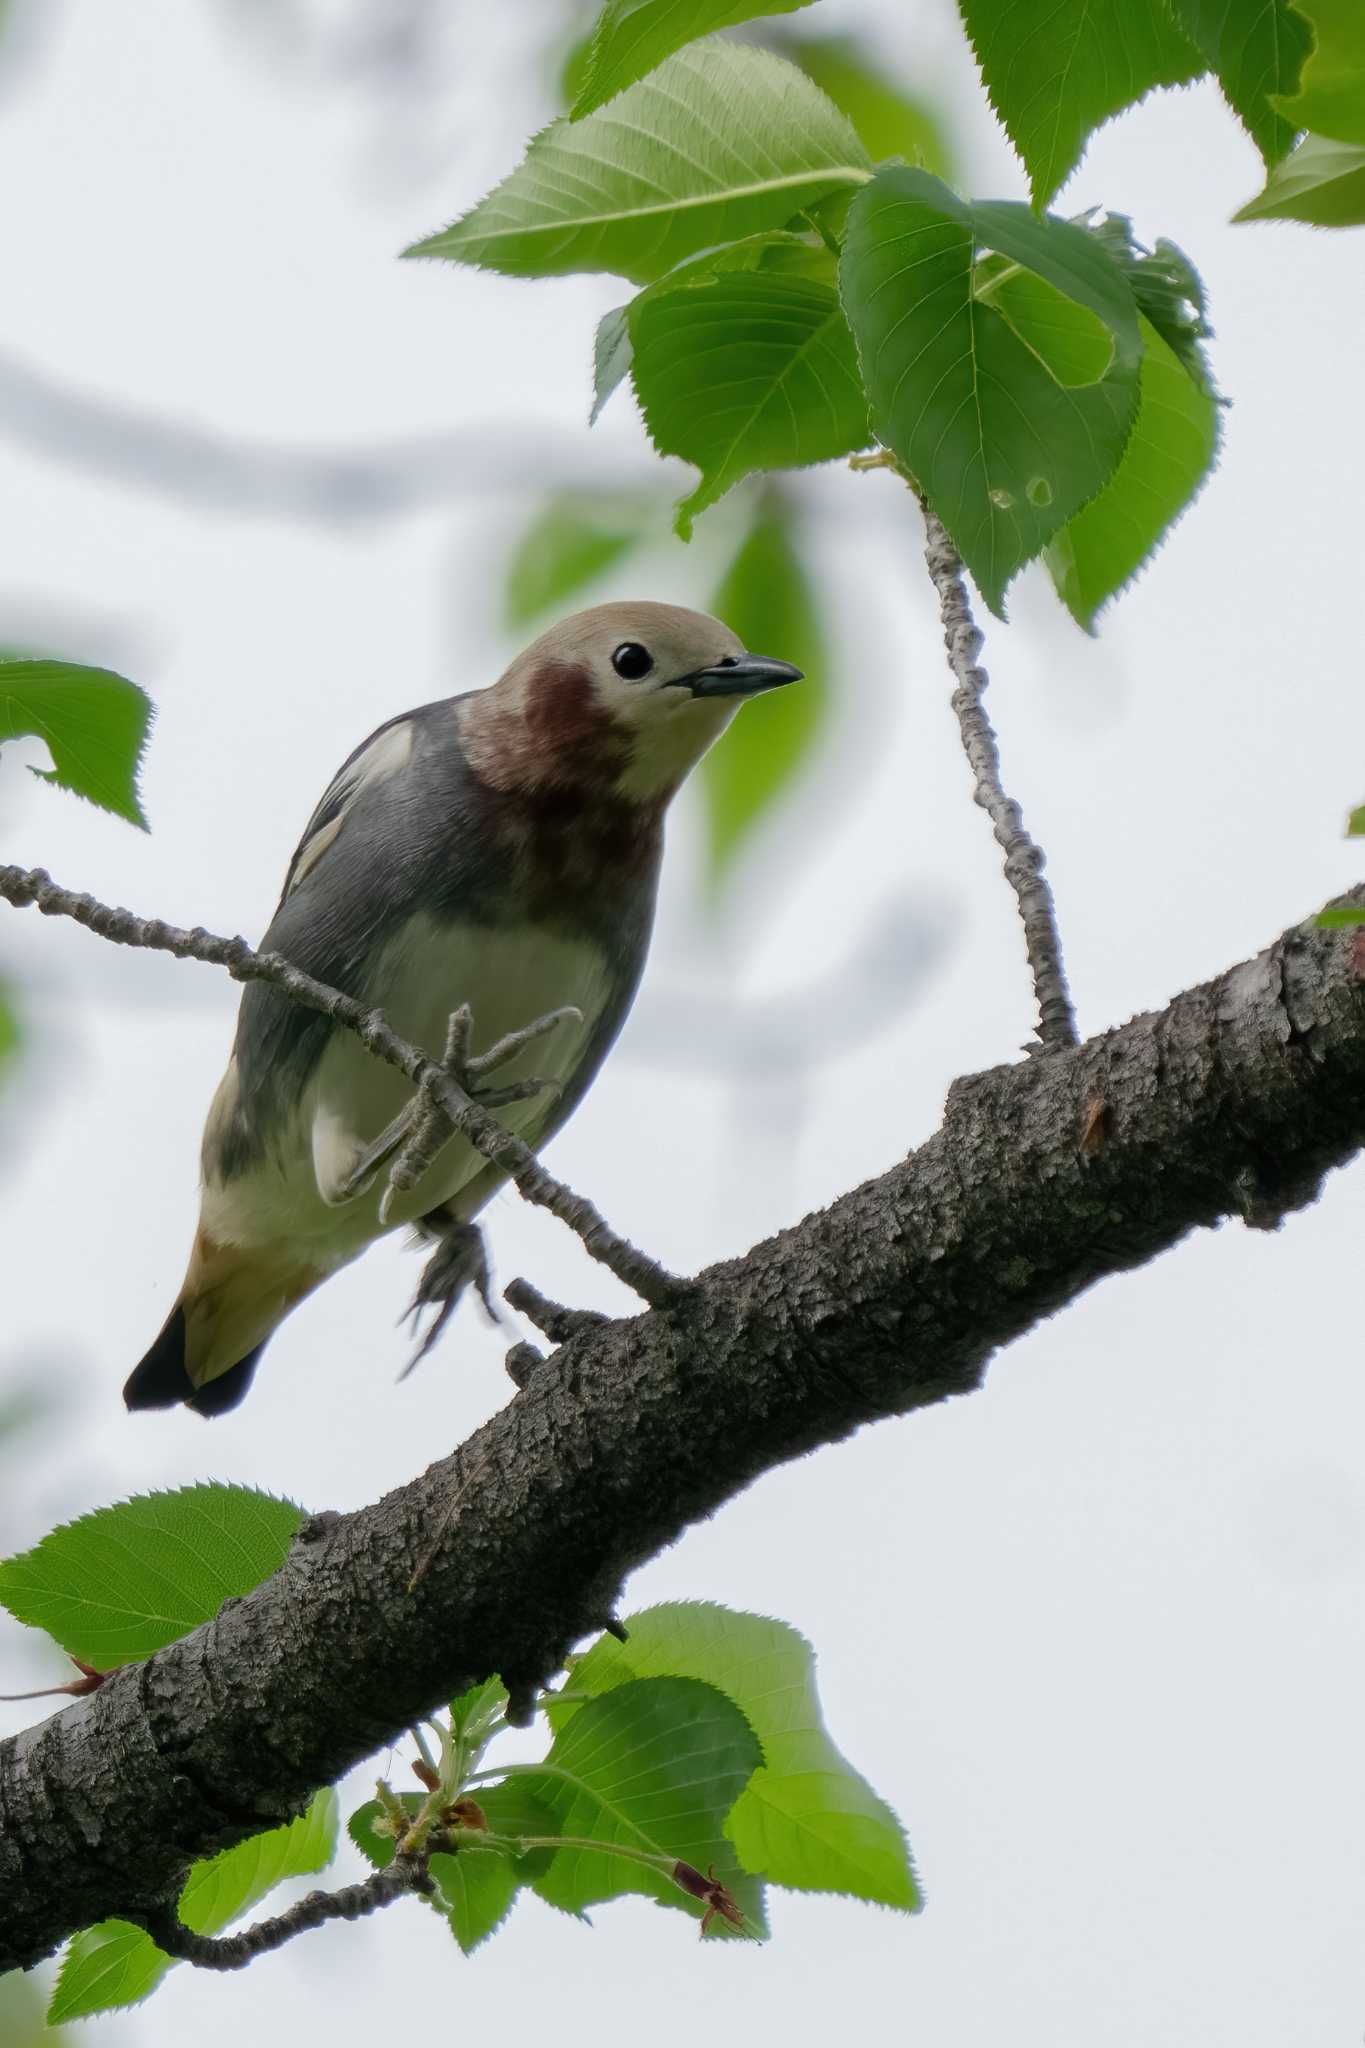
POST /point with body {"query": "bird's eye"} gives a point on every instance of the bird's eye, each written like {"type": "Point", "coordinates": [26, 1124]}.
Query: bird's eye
{"type": "Point", "coordinates": [632, 661]}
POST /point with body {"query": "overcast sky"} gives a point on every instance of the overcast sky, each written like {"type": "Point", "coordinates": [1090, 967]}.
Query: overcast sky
{"type": "Point", "coordinates": [1095, 1631]}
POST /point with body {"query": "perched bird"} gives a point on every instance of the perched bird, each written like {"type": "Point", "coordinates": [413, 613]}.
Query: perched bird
{"type": "Point", "coordinates": [499, 849]}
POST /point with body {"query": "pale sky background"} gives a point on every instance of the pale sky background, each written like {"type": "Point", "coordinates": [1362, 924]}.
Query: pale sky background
{"type": "Point", "coordinates": [1096, 1631]}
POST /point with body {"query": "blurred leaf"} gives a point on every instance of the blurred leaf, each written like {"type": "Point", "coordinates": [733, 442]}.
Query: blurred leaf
{"type": "Point", "coordinates": [574, 538]}
{"type": "Point", "coordinates": [1322, 184]}
{"type": "Point", "coordinates": [748, 371]}
{"type": "Point", "coordinates": [766, 598]}
{"type": "Point", "coordinates": [1257, 48]}
{"type": "Point", "coordinates": [721, 141]}
{"type": "Point", "coordinates": [657, 1765]}
{"type": "Point", "coordinates": [889, 120]}
{"type": "Point", "coordinates": [573, 66]}
{"type": "Point", "coordinates": [117, 1964]}
{"type": "Point", "coordinates": [1055, 74]}
{"type": "Point", "coordinates": [1168, 290]}
{"type": "Point", "coordinates": [634, 36]}
{"type": "Point", "coordinates": [1355, 824]}
{"type": "Point", "coordinates": [9, 1029]}
{"type": "Point", "coordinates": [1172, 448]}
{"type": "Point", "coordinates": [95, 724]}
{"type": "Point", "coordinates": [475, 1889]}
{"type": "Point", "coordinates": [1331, 95]}
{"type": "Point", "coordinates": [971, 381]}
{"type": "Point", "coordinates": [21, 1998]}
{"type": "Point", "coordinates": [806, 1819]}
{"type": "Point", "coordinates": [126, 1580]}
{"type": "Point", "coordinates": [1336, 919]}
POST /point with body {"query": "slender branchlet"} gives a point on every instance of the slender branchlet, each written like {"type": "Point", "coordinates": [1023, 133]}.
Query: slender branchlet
{"type": "Point", "coordinates": [1023, 856]}
{"type": "Point", "coordinates": [405, 1875]}
{"type": "Point", "coordinates": [1024, 860]}
{"type": "Point", "coordinates": [433, 1082]}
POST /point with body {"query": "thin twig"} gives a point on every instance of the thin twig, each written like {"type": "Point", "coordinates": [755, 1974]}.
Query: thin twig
{"type": "Point", "coordinates": [1023, 857]}
{"type": "Point", "coordinates": [406, 1874]}
{"type": "Point", "coordinates": [633, 1267]}
{"type": "Point", "coordinates": [558, 1323]}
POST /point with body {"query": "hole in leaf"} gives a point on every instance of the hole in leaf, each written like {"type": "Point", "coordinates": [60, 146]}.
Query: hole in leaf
{"type": "Point", "coordinates": [1004, 499]}
{"type": "Point", "coordinates": [1039, 491]}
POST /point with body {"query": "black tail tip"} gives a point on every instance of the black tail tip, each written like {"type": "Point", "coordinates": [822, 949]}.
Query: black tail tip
{"type": "Point", "coordinates": [161, 1379]}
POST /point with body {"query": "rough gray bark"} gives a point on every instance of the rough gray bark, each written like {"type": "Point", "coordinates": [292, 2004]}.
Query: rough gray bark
{"type": "Point", "coordinates": [1043, 1178]}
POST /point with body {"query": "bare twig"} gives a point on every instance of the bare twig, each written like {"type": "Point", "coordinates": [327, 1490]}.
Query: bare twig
{"type": "Point", "coordinates": [559, 1324]}
{"type": "Point", "coordinates": [633, 1267]}
{"type": "Point", "coordinates": [1023, 858]}
{"type": "Point", "coordinates": [406, 1874]}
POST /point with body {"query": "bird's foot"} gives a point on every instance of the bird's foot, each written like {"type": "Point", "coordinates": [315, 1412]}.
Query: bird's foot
{"type": "Point", "coordinates": [410, 1144]}
{"type": "Point", "coordinates": [459, 1261]}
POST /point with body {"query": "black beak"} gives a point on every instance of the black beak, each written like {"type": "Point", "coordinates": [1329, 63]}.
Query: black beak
{"type": "Point", "coordinates": [740, 675]}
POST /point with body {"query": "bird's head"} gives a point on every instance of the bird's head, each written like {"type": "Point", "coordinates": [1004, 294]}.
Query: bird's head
{"type": "Point", "coordinates": [621, 701]}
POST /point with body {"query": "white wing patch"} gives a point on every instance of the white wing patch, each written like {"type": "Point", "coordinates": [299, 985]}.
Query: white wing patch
{"type": "Point", "coordinates": [385, 755]}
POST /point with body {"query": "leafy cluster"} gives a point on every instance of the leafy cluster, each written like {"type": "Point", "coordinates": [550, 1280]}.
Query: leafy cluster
{"type": "Point", "coordinates": [688, 1762]}
{"type": "Point", "coordinates": [1041, 381]}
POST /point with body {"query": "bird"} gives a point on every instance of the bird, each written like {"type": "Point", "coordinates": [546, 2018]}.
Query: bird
{"type": "Point", "coordinates": [498, 850]}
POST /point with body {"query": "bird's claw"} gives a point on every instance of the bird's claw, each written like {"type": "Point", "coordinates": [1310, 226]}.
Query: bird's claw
{"type": "Point", "coordinates": [409, 1145]}
{"type": "Point", "coordinates": [459, 1261]}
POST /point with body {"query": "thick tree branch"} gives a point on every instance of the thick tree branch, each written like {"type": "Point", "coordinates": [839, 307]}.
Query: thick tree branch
{"type": "Point", "coordinates": [1023, 857]}
{"type": "Point", "coordinates": [1043, 1178]}
{"type": "Point", "coordinates": [435, 1083]}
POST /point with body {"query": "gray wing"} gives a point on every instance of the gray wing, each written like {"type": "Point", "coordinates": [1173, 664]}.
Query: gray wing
{"type": "Point", "coordinates": [394, 825]}
{"type": "Point", "coordinates": [404, 827]}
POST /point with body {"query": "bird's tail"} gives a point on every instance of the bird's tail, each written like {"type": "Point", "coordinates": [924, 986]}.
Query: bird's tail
{"type": "Point", "coordinates": [232, 1301]}
{"type": "Point", "coordinates": [162, 1380]}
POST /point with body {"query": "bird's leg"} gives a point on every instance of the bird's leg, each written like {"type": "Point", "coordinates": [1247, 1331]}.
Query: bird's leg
{"type": "Point", "coordinates": [420, 1130]}
{"type": "Point", "coordinates": [459, 1261]}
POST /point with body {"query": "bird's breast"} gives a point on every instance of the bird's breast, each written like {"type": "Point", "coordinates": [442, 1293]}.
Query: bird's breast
{"type": "Point", "coordinates": [509, 975]}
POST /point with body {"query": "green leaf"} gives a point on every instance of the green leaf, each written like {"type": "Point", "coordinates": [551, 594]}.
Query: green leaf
{"type": "Point", "coordinates": [1009, 397]}
{"type": "Point", "coordinates": [475, 1889]}
{"type": "Point", "coordinates": [807, 1819]}
{"type": "Point", "coordinates": [116, 1964]}
{"type": "Point", "coordinates": [126, 1580]}
{"type": "Point", "coordinates": [802, 255]}
{"type": "Point", "coordinates": [1322, 183]}
{"type": "Point", "coordinates": [574, 538]}
{"type": "Point", "coordinates": [1355, 824]}
{"type": "Point", "coordinates": [1331, 95]}
{"type": "Point", "coordinates": [95, 724]}
{"type": "Point", "coordinates": [611, 352]}
{"type": "Point", "coordinates": [376, 1844]}
{"type": "Point", "coordinates": [721, 141]}
{"type": "Point", "coordinates": [1168, 290]}
{"type": "Point", "coordinates": [1055, 74]}
{"type": "Point", "coordinates": [1173, 446]}
{"type": "Point", "coordinates": [1257, 48]}
{"type": "Point", "coordinates": [766, 597]}
{"type": "Point", "coordinates": [656, 1764]}
{"type": "Point", "coordinates": [890, 121]}
{"type": "Point", "coordinates": [473, 1714]}
{"type": "Point", "coordinates": [634, 36]}
{"type": "Point", "coordinates": [747, 371]}
{"type": "Point", "coordinates": [1337, 919]}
